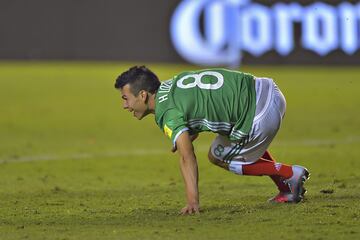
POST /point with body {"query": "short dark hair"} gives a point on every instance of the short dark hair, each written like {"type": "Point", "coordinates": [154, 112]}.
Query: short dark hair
{"type": "Point", "coordinates": [139, 78]}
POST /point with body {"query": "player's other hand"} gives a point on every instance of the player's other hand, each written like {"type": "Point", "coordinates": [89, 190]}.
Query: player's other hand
{"type": "Point", "coordinates": [190, 209]}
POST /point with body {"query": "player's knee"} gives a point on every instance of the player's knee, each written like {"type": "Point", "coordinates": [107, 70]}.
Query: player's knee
{"type": "Point", "coordinates": [213, 160]}
{"type": "Point", "coordinates": [217, 161]}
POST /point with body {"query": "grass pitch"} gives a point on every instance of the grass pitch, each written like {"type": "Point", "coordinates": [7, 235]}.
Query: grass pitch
{"type": "Point", "coordinates": [74, 165]}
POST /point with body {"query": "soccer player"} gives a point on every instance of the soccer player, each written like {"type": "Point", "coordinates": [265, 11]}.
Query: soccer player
{"type": "Point", "coordinates": [243, 110]}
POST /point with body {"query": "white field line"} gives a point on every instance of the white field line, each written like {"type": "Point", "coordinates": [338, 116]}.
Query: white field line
{"type": "Point", "coordinates": [161, 151]}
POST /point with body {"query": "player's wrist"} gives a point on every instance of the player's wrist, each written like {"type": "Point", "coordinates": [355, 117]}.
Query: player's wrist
{"type": "Point", "coordinates": [193, 201]}
{"type": "Point", "coordinates": [193, 205]}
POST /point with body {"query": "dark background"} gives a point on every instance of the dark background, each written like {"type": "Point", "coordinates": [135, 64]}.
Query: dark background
{"type": "Point", "coordinates": [126, 30]}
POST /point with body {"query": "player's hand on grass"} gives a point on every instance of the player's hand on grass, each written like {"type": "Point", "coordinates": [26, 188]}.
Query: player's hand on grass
{"type": "Point", "coordinates": [190, 209]}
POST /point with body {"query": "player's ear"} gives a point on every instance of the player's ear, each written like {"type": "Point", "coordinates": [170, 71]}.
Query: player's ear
{"type": "Point", "coordinates": [143, 95]}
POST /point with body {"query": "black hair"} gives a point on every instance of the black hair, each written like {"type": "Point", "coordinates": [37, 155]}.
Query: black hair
{"type": "Point", "coordinates": [139, 78]}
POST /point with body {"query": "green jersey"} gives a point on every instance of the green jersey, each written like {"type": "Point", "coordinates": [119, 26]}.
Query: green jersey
{"type": "Point", "coordinates": [216, 100]}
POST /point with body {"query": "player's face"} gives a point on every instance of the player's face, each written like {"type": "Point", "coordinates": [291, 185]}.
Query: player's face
{"type": "Point", "coordinates": [135, 104]}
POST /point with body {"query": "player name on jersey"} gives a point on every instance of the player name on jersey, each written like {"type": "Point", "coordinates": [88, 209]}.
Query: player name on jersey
{"type": "Point", "coordinates": [165, 87]}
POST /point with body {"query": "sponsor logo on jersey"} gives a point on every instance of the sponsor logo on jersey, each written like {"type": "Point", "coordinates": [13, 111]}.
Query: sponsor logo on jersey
{"type": "Point", "coordinates": [216, 32]}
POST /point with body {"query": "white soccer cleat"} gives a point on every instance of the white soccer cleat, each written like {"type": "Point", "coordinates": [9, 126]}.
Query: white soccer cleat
{"type": "Point", "coordinates": [296, 183]}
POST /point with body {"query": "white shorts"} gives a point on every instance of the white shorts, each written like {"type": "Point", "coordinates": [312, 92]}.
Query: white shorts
{"type": "Point", "coordinates": [270, 110]}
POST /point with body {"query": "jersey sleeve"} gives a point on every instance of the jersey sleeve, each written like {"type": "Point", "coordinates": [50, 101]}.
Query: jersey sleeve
{"type": "Point", "coordinates": [174, 124]}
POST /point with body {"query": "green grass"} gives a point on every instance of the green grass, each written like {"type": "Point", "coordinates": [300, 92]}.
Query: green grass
{"type": "Point", "coordinates": [74, 165]}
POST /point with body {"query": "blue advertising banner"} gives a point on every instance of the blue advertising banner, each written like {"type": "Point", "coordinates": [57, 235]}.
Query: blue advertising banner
{"type": "Point", "coordinates": [204, 32]}
{"type": "Point", "coordinates": [219, 32]}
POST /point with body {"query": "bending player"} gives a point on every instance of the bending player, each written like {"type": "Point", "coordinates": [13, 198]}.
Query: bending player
{"type": "Point", "coordinates": [244, 111]}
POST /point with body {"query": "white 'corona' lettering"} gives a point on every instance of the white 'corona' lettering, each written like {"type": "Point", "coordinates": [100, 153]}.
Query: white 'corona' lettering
{"type": "Point", "coordinates": [234, 26]}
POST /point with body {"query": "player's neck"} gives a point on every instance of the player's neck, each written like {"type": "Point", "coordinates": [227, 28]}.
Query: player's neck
{"type": "Point", "coordinates": [151, 103]}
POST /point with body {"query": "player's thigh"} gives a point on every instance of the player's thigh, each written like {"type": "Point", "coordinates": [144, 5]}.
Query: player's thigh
{"type": "Point", "coordinates": [218, 162]}
{"type": "Point", "coordinates": [263, 131]}
{"type": "Point", "coordinates": [222, 151]}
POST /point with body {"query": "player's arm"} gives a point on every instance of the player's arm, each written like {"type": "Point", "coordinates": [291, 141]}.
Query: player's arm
{"type": "Point", "coordinates": [189, 170]}
{"type": "Point", "coordinates": [192, 138]}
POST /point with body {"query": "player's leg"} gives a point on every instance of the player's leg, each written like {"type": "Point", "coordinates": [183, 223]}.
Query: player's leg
{"type": "Point", "coordinates": [285, 194]}
{"type": "Point", "coordinates": [284, 188]}
{"type": "Point", "coordinates": [270, 113]}
{"type": "Point", "coordinates": [278, 180]}
{"type": "Point", "coordinates": [288, 179]}
{"type": "Point", "coordinates": [252, 158]}
{"type": "Point", "coordinates": [264, 165]}
{"type": "Point", "coordinates": [266, 125]}
{"type": "Point", "coordinates": [217, 162]}
{"type": "Point", "coordinates": [270, 110]}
